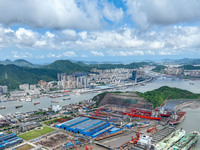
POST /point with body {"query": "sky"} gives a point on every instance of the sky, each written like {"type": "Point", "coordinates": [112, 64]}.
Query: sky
{"type": "Point", "coordinates": [42, 31]}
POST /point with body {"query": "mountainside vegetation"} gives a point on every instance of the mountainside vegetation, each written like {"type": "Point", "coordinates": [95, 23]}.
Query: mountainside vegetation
{"type": "Point", "coordinates": [190, 67]}
{"type": "Point", "coordinates": [157, 96]}
{"type": "Point", "coordinates": [133, 65]}
{"type": "Point", "coordinates": [66, 66]}
{"type": "Point", "coordinates": [12, 75]}
{"type": "Point", "coordinates": [159, 69]}
{"type": "Point", "coordinates": [19, 62]}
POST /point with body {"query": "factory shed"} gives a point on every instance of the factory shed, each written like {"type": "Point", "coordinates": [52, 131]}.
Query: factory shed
{"type": "Point", "coordinates": [84, 125]}
{"type": "Point", "coordinates": [9, 140]}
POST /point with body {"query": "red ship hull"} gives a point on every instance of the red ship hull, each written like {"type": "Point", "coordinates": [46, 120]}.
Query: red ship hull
{"type": "Point", "coordinates": [149, 112]}
{"type": "Point", "coordinates": [181, 115]}
{"type": "Point", "coordinates": [142, 116]}
{"type": "Point", "coordinates": [36, 103]}
{"type": "Point", "coordinates": [164, 115]}
{"type": "Point", "coordinates": [54, 96]}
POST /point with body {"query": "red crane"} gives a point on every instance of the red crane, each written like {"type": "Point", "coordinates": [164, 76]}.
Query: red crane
{"type": "Point", "coordinates": [134, 109]}
{"type": "Point", "coordinates": [164, 101]}
{"type": "Point", "coordinates": [153, 129]}
{"type": "Point", "coordinates": [88, 147]}
{"type": "Point", "coordinates": [75, 146]}
{"type": "Point", "coordinates": [162, 104]}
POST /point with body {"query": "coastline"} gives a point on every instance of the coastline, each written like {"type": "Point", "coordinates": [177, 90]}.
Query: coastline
{"type": "Point", "coordinates": [190, 104]}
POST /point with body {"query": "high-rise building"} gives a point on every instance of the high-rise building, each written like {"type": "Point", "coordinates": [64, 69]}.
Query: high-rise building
{"type": "Point", "coordinates": [134, 75]}
{"type": "Point", "coordinates": [3, 89]}
{"type": "Point", "coordinates": [24, 87]}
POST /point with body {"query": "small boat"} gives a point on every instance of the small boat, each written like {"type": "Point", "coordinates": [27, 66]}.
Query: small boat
{"type": "Point", "coordinates": [22, 99]}
{"type": "Point", "coordinates": [66, 99]}
{"type": "Point", "coordinates": [18, 106]}
{"type": "Point", "coordinates": [54, 96]}
{"type": "Point", "coordinates": [28, 99]}
{"type": "Point", "coordinates": [54, 101]}
{"type": "Point", "coordinates": [2, 107]}
{"type": "Point", "coordinates": [37, 103]}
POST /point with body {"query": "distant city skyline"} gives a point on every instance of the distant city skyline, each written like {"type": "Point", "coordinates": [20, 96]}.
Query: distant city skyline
{"type": "Point", "coordinates": [99, 30]}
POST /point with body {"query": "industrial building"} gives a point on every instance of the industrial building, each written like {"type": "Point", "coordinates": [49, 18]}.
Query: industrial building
{"type": "Point", "coordinates": [28, 126]}
{"type": "Point", "coordinates": [84, 125]}
{"type": "Point", "coordinates": [9, 140]}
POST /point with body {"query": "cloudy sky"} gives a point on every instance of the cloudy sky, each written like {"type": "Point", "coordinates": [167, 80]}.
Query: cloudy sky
{"type": "Point", "coordinates": [42, 31]}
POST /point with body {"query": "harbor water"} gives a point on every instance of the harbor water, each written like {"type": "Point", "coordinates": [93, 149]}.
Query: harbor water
{"type": "Point", "coordinates": [191, 122]}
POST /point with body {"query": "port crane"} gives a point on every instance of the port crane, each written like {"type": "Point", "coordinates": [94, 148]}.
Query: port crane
{"type": "Point", "coordinates": [75, 146]}
{"type": "Point", "coordinates": [162, 104]}
{"type": "Point", "coordinates": [134, 109]}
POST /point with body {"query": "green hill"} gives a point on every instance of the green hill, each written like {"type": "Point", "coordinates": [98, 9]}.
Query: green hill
{"type": "Point", "coordinates": [160, 69]}
{"type": "Point", "coordinates": [157, 96]}
{"type": "Point", "coordinates": [12, 75]}
{"type": "Point", "coordinates": [66, 66]}
{"type": "Point", "coordinates": [19, 62]}
{"type": "Point", "coordinates": [133, 65]}
{"type": "Point", "coordinates": [190, 67]}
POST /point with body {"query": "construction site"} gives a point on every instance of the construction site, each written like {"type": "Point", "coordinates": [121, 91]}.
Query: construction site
{"type": "Point", "coordinates": [119, 127]}
{"type": "Point", "coordinates": [129, 127]}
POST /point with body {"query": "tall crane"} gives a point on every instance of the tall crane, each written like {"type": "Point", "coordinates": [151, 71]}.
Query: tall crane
{"type": "Point", "coordinates": [162, 104]}
{"type": "Point", "coordinates": [134, 109]}
{"type": "Point", "coordinates": [164, 101]}
{"type": "Point", "coordinates": [75, 146]}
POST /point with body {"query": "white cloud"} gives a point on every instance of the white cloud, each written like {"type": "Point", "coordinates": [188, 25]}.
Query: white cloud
{"type": "Point", "coordinates": [49, 34]}
{"type": "Point", "coordinates": [168, 52]}
{"type": "Point", "coordinates": [70, 54]}
{"type": "Point", "coordinates": [17, 55]}
{"type": "Point", "coordinates": [163, 12]}
{"type": "Point", "coordinates": [51, 55]}
{"type": "Point", "coordinates": [123, 41]}
{"type": "Point", "coordinates": [125, 53]}
{"type": "Point", "coordinates": [149, 52]}
{"type": "Point", "coordinates": [96, 53]}
{"type": "Point", "coordinates": [112, 13]}
{"type": "Point", "coordinates": [84, 56]}
{"type": "Point", "coordinates": [59, 14]}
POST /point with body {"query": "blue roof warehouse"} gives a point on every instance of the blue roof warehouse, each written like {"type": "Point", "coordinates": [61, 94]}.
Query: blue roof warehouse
{"type": "Point", "coordinates": [84, 125]}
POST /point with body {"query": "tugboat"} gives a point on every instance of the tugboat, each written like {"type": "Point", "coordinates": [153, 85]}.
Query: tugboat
{"type": "Point", "coordinates": [2, 107]}
{"type": "Point", "coordinates": [18, 106]}
{"type": "Point", "coordinates": [66, 99]}
{"type": "Point", "coordinates": [54, 102]}
{"type": "Point", "coordinates": [187, 142]}
{"type": "Point", "coordinates": [37, 103]}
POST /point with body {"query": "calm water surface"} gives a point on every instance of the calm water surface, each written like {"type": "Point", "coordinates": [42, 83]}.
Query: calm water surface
{"type": "Point", "coordinates": [191, 122]}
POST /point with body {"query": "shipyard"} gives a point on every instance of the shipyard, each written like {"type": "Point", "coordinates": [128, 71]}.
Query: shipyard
{"type": "Point", "coordinates": [109, 125]}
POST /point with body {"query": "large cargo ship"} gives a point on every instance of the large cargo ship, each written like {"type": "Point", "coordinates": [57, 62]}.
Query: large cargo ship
{"type": "Point", "coordinates": [187, 142]}
{"type": "Point", "coordinates": [153, 115]}
{"type": "Point", "coordinates": [162, 111]}
{"type": "Point", "coordinates": [177, 117]}
{"type": "Point", "coordinates": [170, 140]}
{"type": "Point", "coordinates": [57, 95]}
